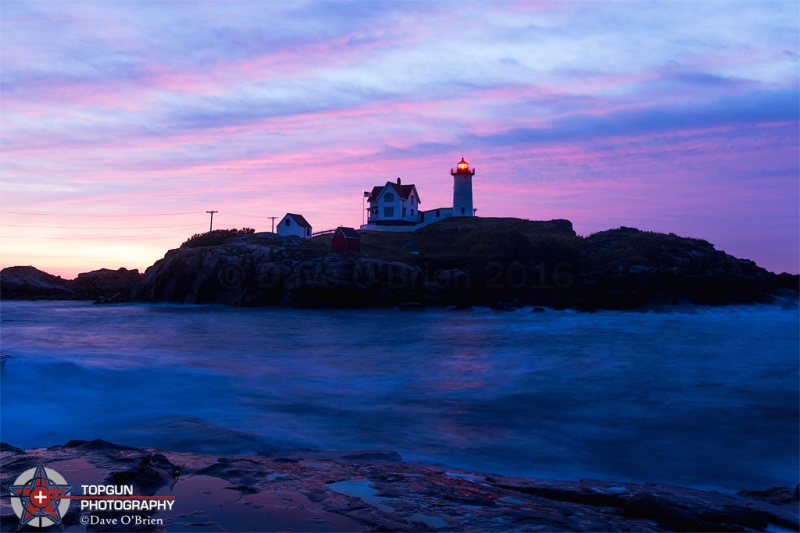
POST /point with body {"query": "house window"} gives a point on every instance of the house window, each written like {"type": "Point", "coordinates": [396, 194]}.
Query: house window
{"type": "Point", "coordinates": [388, 212]}
{"type": "Point", "coordinates": [288, 222]}
{"type": "Point", "coordinates": [308, 232]}
{"type": "Point", "coordinates": [462, 211]}
{"type": "Point", "coordinates": [404, 212]}
{"type": "Point", "coordinates": [388, 197]}
{"type": "Point", "coordinates": [412, 212]}
{"type": "Point", "coordinates": [412, 199]}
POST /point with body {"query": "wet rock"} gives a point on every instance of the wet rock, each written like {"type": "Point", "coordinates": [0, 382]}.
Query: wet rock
{"type": "Point", "coordinates": [96, 444]}
{"type": "Point", "coordinates": [371, 490]}
{"type": "Point", "coordinates": [7, 448]}
{"type": "Point", "coordinates": [670, 515]}
{"type": "Point", "coordinates": [773, 495]}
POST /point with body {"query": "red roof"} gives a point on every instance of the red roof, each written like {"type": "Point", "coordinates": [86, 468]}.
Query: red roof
{"type": "Point", "coordinates": [348, 233]}
{"type": "Point", "coordinates": [299, 220]}
{"type": "Point", "coordinates": [403, 191]}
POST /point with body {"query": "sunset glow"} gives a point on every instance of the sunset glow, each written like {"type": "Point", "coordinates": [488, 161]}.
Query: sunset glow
{"type": "Point", "coordinates": [123, 123]}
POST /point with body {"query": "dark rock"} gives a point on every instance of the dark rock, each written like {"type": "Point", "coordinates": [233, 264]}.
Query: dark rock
{"type": "Point", "coordinates": [628, 268]}
{"type": "Point", "coordinates": [452, 279]}
{"type": "Point", "coordinates": [584, 495]}
{"type": "Point", "coordinates": [6, 447]}
{"type": "Point", "coordinates": [96, 444]}
{"type": "Point", "coordinates": [736, 518]}
{"type": "Point", "coordinates": [146, 477]}
{"type": "Point", "coordinates": [773, 495]}
{"type": "Point", "coordinates": [391, 457]}
{"type": "Point", "coordinates": [27, 282]}
{"type": "Point", "coordinates": [480, 261]}
{"type": "Point", "coordinates": [244, 489]}
{"type": "Point", "coordinates": [104, 285]}
{"type": "Point", "coordinates": [411, 306]}
{"type": "Point", "coordinates": [388, 494]}
{"type": "Point", "coordinates": [339, 280]}
{"type": "Point", "coordinates": [670, 515]}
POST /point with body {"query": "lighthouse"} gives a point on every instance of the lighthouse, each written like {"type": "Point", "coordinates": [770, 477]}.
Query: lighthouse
{"type": "Point", "coordinates": [462, 189]}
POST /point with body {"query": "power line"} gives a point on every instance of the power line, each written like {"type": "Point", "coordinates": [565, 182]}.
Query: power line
{"type": "Point", "coordinates": [112, 238]}
{"type": "Point", "coordinates": [105, 227]}
{"type": "Point", "coordinates": [89, 215]}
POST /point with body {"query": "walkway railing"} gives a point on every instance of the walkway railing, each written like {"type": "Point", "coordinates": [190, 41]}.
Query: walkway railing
{"type": "Point", "coordinates": [323, 232]}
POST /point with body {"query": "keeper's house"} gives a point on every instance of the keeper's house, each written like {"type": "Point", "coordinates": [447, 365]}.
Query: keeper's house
{"type": "Point", "coordinates": [393, 204]}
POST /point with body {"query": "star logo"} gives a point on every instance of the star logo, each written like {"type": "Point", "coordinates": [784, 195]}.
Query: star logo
{"type": "Point", "coordinates": [38, 493]}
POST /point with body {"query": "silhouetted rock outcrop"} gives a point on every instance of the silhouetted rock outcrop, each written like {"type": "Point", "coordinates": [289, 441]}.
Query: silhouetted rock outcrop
{"type": "Point", "coordinates": [504, 263]}
{"type": "Point", "coordinates": [27, 282]}
{"type": "Point", "coordinates": [627, 268]}
{"type": "Point", "coordinates": [286, 271]}
{"type": "Point", "coordinates": [104, 285]}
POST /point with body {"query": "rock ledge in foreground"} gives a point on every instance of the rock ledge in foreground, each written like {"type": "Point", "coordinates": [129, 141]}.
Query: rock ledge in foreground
{"type": "Point", "coordinates": [373, 490]}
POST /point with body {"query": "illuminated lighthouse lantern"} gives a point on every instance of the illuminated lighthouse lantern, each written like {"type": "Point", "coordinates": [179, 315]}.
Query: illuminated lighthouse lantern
{"type": "Point", "coordinates": [462, 189]}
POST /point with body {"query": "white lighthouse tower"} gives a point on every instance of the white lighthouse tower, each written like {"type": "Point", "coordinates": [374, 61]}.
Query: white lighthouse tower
{"type": "Point", "coordinates": [462, 189]}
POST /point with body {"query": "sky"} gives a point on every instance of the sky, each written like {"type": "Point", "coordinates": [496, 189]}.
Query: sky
{"type": "Point", "coordinates": [122, 123]}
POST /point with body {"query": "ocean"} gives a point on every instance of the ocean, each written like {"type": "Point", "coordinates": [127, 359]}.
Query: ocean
{"type": "Point", "coordinates": [704, 397]}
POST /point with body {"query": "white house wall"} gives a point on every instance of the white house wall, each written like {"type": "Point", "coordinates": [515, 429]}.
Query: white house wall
{"type": "Point", "coordinates": [293, 229]}
{"type": "Point", "coordinates": [397, 206]}
{"type": "Point", "coordinates": [430, 218]}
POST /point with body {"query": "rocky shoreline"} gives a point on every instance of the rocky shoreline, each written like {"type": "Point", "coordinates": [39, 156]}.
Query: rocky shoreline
{"type": "Point", "coordinates": [377, 491]}
{"type": "Point", "coordinates": [494, 262]}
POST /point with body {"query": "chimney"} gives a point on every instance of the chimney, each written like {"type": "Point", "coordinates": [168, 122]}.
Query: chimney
{"type": "Point", "coordinates": [398, 181]}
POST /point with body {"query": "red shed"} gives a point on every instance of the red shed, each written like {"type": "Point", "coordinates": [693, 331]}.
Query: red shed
{"type": "Point", "coordinates": [346, 240]}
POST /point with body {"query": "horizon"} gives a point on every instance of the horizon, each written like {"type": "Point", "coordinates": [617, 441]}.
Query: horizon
{"type": "Point", "coordinates": [72, 275]}
{"type": "Point", "coordinates": [124, 123]}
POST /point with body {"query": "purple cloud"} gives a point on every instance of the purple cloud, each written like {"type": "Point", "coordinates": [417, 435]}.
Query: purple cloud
{"type": "Point", "coordinates": [680, 117]}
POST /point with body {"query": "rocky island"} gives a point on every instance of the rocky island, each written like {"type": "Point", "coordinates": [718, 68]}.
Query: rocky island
{"type": "Point", "coordinates": [457, 262]}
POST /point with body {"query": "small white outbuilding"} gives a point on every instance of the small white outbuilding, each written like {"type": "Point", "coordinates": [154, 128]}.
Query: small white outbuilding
{"type": "Point", "coordinates": [292, 224]}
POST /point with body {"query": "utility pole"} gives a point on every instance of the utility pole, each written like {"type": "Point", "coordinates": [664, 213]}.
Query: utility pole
{"type": "Point", "coordinates": [211, 224]}
{"type": "Point", "coordinates": [273, 223]}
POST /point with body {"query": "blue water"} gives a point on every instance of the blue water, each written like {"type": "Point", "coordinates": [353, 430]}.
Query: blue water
{"type": "Point", "coordinates": [701, 397]}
